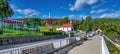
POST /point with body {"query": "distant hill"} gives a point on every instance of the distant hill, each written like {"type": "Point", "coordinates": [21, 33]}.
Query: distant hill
{"type": "Point", "coordinates": [110, 26]}
{"type": "Point", "coordinates": [32, 20]}
{"type": "Point", "coordinates": [108, 20]}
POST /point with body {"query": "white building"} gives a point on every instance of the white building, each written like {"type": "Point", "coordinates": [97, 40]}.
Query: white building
{"type": "Point", "coordinates": [65, 27]}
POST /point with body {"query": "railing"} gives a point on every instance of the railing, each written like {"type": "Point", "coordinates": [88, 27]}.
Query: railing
{"type": "Point", "coordinates": [112, 41]}
{"type": "Point", "coordinates": [38, 48]}
{"type": "Point", "coordinates": [104, 46]}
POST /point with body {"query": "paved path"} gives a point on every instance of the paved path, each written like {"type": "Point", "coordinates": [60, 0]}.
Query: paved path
{"type": "Point", "coordinates": [91, 46]}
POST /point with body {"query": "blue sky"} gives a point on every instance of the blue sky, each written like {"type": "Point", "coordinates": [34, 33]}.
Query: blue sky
{"type": "Point", "coordinates": [74, 9]}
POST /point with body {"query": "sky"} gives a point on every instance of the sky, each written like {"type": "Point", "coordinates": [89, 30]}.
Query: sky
{"type": "Point", "coordinates": [74, 9]}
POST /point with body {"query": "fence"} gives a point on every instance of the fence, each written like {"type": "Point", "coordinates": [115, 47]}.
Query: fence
{"type": "Point", "coordinates": [37, 48]}
{"type": "Point", "coordinates": [104, 47]}
{"type": "Point", "coordinates": [112, 41]}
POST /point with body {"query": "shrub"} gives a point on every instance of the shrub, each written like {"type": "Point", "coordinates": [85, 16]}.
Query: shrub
{"type": "Point", "coordinates": [50, 33]}
{"type": "Point", "coordinates": [111, 34]}
{"type": "Point", "coordinates": [1, 31]}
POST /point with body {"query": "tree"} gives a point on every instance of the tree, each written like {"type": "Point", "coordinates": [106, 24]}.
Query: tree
{"type": "Point", "coordinates": [5, 10]}
{"type": "Point", "coordinates": [89, 22]}
{"type": "Point", "coordinates": [64, 20]}
{"type": "Point", "coordinates": [94, 25]}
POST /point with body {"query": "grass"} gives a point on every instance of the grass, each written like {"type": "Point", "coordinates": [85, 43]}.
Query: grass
{"type": "Point", "coordinates": [45, 28]}
{"type": "Point", "coordinates": [112, 48]}
{"type": "Point", "coordinates": [15, 33]}
{"type": "Point", "coordinates": [7, 35]}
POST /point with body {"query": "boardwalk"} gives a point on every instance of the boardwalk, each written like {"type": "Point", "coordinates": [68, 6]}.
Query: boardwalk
{"type": "Point", "coordinates": [92, 46]}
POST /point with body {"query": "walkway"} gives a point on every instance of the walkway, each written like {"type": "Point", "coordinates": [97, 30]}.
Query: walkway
{"type": "Point", "coordinates": [91, 46]}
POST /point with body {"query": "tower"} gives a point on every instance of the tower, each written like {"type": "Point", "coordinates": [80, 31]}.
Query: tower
{"type": "Point", "coordinates": [49, 15]}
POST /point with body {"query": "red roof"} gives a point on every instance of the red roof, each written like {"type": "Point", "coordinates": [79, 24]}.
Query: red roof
{"type": "Point", "coordinates": [65, 26]}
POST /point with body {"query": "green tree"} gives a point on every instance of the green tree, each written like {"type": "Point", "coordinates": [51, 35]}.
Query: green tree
{"type": "Point", "coordinates": [64, 20]}
{"type": "Point", "coordinates": [94, 25]}
{"type": "Point", "coordinates": [88, 23]}
{"type": "Point", "coordinates": [5, 10]}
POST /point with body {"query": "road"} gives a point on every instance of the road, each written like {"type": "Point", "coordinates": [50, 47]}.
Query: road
{"type": "Point", "coordinates": [91, 46]}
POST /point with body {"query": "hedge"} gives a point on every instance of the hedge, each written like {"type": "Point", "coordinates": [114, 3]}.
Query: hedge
{"type": "Point", "coordinates": [50, 33]}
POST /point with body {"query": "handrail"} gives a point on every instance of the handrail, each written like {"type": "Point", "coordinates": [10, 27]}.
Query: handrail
{"type": "Point", "coordinates": [104, 47]}
{"type": "Point", "coordinates": [112, 41]}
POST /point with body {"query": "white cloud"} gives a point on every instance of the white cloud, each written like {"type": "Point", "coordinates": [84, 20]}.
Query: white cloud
{"type": "Point", "coordinates": [90, 2]}
{"type": "Point", "coordinates": [71, 16]}
{"type": "Point", "coordinates": [115, 14]}
{"type": "Point", "coordinates": [63, 17]}
{"type": "Point", "coordinates": [79, 4]}
{"type": "Point", "coordinates": [82, 16]}
{"type": "Point", "coordinates": [98, 11]}
{"type": "Point", "coordinates": [12, 6]}
{"type": "Point", "coordinates": [27, 12]}
{"type": "Point", "coordinates": [44, 16]}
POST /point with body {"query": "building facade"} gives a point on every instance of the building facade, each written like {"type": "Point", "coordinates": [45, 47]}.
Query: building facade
{"type": "Point", "coordinates": [65, 27]}
{"type": "Point", "coordinates": [50, 21]}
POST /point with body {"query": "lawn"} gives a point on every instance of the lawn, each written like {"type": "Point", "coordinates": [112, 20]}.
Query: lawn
{"type": "Point", "coordinates": [15, 33]}
{"type": "Point", "coordinates": [29, 32]}
{"type": "Point", "coordinates": [45, 28]}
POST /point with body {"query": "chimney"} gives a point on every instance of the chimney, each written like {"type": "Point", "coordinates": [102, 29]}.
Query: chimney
{"type": "Point", "coordinates": [70, 21]}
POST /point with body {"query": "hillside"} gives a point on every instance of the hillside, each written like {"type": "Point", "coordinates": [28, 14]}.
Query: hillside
{"type": "Point", "coordinates": [110, 27]}
{"type": "Point", "coordinates": [108, 20]}
{"type": "Point", "coordinates": [33, 20]}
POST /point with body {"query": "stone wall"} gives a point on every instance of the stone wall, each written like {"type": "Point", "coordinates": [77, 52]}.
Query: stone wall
{"type": "Point", "coordinates": [26, 39]}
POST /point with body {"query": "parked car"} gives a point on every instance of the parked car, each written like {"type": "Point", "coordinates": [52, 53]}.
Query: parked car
{"type": "Point", "coordinates": [72, 34]}
{"type": "Point", "coordinates": [91, 35]}
{"type": "Point", "coordinates": [88, 35]}
{"type": "Point", "coordinates": [84, 37]}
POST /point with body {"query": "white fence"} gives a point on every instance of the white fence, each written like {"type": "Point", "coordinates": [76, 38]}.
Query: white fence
{"type": "Point", "coordinates": [104, 47]}
{"type": "Point", "coordinates": [37, 48]}
{"type": "Point", "coordinates": [112, 41]}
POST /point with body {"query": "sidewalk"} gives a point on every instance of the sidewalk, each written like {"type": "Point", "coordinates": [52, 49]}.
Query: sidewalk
{"type": "Point", "coordinates": [91, 46]}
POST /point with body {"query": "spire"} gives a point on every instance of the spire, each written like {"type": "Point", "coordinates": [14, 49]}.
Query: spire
{"type": "Point", "coordinates": [49, 14]}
